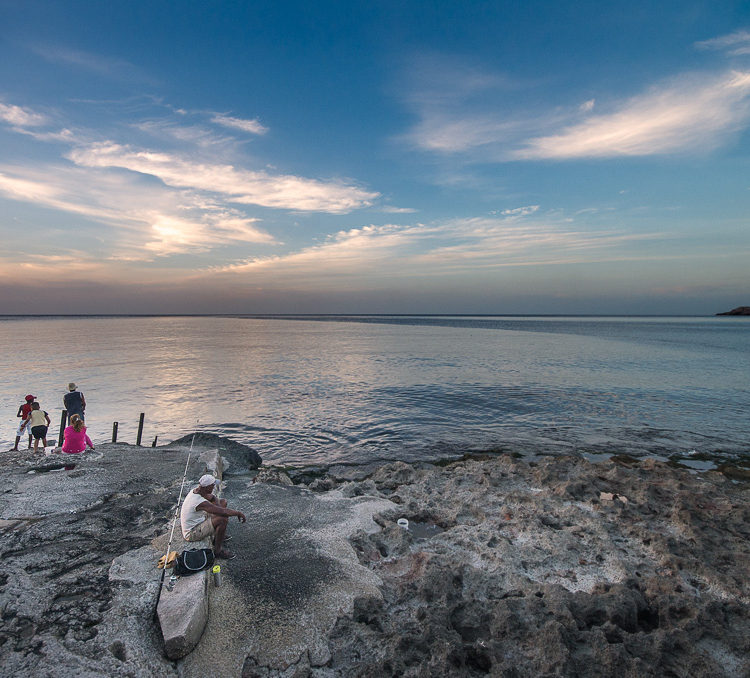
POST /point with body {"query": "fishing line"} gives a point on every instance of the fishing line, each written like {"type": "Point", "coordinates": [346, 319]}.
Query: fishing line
{"type": "Point", "coordinates": [174, 520]}
{"type": "Point", "coordinates": [179, 500]}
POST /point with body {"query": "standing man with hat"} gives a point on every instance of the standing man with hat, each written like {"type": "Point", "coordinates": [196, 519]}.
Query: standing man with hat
{"type": "Point", "coordinates": [203, 515]}
{"type": "Point", "coordinates": [24, 410]}
{"type": "Point", "coordinates": [74, 402]}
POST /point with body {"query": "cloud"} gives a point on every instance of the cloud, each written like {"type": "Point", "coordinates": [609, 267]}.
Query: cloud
{"type": "Point", "coordinates": [458, 133]}
{"type": "Point", "coordinates": [486, 243]}
{"type": "Point", "coordinates": [520, 211]}
{"type": "Point", "coordinates": [389, 209]}
{"type": "Point", "coordinates": [396, 252]}
{"type": "Point", "coordinates": [196, 135]}
{"type": "Point", "coordinates": [139, 204]}
{"type": "Point", "coordinates": [236, 185]}
{"type": "Point", "coordinates": [735, 44]}
{"type": "Point", "coordinates": [48, 189]}
{"type": "Point", "coordinates": [118, 69]}
{"type": "Point", "coordinates": [463, 109]}
{"type": "Point", "coordinates": [252, 126]}
{"type": "Point", "coordinates": [693, 112]}
{"type": "Point", "coordinates": [21, 117]}
{"type": "Point", "coordinates": [174, 234]}
{"type": "Point", "coordinates": [663, 120]}
{"type": "Point", "coordinates": [350, 253]}
{"type": "Point", "coordinates": [145, 220]}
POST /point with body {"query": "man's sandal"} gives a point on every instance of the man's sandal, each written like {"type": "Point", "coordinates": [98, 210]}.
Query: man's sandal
{"type": "Point", "coordinates": [225, 555]}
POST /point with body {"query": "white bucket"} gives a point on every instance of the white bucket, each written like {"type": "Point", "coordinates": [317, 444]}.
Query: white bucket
{"type": "Point", "coordinates": [403, 522]}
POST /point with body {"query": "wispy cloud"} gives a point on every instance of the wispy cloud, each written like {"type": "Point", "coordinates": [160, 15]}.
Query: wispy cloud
{"type": "Point", "coordinates": [109, 67]}
{"type": "Point", "coordinates": [403, 251]}
{"type": "Point", "coordinates": [145, 220]}
{"type": "Point", "coordinates": [663, 120]}
{"type": "Point", "coordinates": [188, 192]}
{"type": "Point", "coordinates": [253, 126]}
{"type": "Point", "coordinates": [461, 109]}
{"type": "Point", "coordinates": [389, 209]}
{"type": "Point", "coordinates": [735, 44]}
{"type": "Point", "coordinates": [21, 117]}
{"type": "Point", "coordinates": [237, 185]}
{"type": "Point", "coordinates": [693, 112]}
{"type": "Point", "coordinates": [460, 133]}
{"type": "Point", "coordinates": [193, 134]}
{"type": "Point", "coordinates": [520, 211]}
{"type": "Point", "coordinates": [483, 242]}
{"type": "Point", "coordinates": [172, 234]}
{"type": "Point", "coordinates": [351, 253]}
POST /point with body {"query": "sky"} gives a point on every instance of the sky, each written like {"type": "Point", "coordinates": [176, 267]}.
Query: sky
{"type": "Point", "coordinates": [387, 157]}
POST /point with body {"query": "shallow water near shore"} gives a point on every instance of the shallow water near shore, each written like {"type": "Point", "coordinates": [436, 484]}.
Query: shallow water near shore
{"type": "Point", "coordinates": [355, 389]}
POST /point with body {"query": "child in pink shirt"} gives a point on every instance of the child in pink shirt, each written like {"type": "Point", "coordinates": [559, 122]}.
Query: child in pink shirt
{"type": "Point", "coordinates": [75, 437]}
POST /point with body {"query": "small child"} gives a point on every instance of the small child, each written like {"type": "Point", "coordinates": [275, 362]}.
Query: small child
{"type": "Point", "coordinates": [23, 413]}
{"type": "Point", "coordinates": [38, 422]}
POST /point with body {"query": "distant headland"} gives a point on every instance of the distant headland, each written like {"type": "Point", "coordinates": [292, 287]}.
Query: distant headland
{"type": "Point", "coordinates": [740, 310]}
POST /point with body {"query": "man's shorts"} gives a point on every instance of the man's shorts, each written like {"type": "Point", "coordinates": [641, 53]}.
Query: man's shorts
{"type": "Point", "coordinates": [19, 432]}
{"type": "Point", "coordinates": [39, 432]}
{"type": "Point", "coordinates": [201, 531]}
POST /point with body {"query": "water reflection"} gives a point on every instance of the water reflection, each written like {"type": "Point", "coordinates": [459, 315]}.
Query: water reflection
{"type": "Point", "coordinates": [301, 391]}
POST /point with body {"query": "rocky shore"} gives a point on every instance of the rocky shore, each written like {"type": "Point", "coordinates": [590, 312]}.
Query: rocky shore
{"type": "Point", "coordinates": [560, 567]}
{"type": "Point", "coordinates": [740, 310]}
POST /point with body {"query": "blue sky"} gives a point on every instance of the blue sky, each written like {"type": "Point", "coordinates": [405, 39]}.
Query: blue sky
{"type": "Point", "coordinates": [441, 157]}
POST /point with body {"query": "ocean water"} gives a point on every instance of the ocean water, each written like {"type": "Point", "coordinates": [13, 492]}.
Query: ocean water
{"type": "Point", "coordinates": [329, 389]}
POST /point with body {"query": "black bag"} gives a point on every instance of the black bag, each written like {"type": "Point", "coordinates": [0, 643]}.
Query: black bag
{"type": "Point", "coordinates": [192, 561]}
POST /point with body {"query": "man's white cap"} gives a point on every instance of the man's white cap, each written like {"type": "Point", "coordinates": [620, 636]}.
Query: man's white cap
{"type": "Point", "coordinates": [206, 480]}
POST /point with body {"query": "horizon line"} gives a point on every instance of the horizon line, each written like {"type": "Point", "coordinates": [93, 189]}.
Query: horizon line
{"type": "Point", "coordinates": [360, 315]}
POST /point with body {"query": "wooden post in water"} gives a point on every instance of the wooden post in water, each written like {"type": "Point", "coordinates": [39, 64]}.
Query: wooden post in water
{"type": "Point", "coordinates": [154, 443]}
{"type": "Point", "coordinates": [114, 432]}
{"type": "Point", "coordinates": [63, 420]}
{"type": "Point", "coordinates": [140, 429]}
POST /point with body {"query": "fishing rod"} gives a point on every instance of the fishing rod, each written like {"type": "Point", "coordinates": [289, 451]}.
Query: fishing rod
{"type": "Point", "coordinates": [174, 522]}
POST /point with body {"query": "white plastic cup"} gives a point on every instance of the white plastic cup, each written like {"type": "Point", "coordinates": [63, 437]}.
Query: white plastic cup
{"type": "Point", "coordinates": [403, 523]}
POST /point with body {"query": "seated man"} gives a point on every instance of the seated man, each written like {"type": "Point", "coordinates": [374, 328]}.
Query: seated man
{"type": "Point", "coordinates": [203, 515]}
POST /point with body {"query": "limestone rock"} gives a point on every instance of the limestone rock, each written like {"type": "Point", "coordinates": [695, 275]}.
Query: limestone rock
{"type": "Point", "coordinates": [531, 578]}
{"type": "Point", "coordinates": [183, 613]}
{"type": "Point", "coordinates": [273, 476]}
{"type": "Point", "coordinates": [508, 568]}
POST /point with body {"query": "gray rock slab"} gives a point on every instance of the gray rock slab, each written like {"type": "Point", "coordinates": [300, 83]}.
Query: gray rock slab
{"type": "Point", "coordinates": [183, 613]}
{"type": "Point", "coordinates": [294, 575]}
{"type": "Point", "coordinates": [133, 646]}
{"type": "Point", "coordinates": [46, 488]}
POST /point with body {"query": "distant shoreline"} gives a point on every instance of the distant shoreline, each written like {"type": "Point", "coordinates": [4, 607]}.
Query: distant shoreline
{"type": "Point", "coordinates": [283, 316]}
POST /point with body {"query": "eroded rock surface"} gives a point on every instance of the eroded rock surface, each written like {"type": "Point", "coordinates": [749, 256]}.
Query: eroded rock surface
{"type": "Point", "coordinates": [559, 568]}
{"type": "Point", "coordinates": [67, 608]}
{"type": "Point", "coordinates": [535, 574]}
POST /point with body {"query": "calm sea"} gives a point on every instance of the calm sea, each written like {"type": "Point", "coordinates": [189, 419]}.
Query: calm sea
{"type": "Point", "coordinates": [324, 389]}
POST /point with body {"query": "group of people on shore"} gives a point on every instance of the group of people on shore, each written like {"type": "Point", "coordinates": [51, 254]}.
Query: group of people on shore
{"type": "Point", "coordinates": [202, 513]}
{"type": "Point", "coordinates": [35, 422]}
